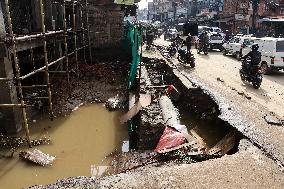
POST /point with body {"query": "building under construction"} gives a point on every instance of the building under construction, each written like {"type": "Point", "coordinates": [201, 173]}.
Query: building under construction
{"type": "Point", "coordinates": [43, 39]}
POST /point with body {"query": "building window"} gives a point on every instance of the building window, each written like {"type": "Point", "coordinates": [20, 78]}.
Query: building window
{"type": "Point", "coordinates": [282, 11]}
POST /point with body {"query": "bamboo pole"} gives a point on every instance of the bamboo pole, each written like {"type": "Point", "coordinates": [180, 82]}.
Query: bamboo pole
{"type": "Point", "coordinates": [12, 105]}
{"type": "Point", "coordinates": [65, 42]}
{"type": "Point", "coordinates": [39, 35]}
{"type": "Point", "coordinates": [75, 38]}
{"type": "Point", "coordinates": [17, 68]}
{"type": "Point", "coordinates": [42, 68]}
{"type": "Point", "coordinates": [83, 33]}
{"type": "Point", "coordinates": [46, 59]}
{"type": "Point", "coordinates": [88, 28]}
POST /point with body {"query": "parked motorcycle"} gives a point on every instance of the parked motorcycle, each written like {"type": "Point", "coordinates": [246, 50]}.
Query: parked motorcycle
{"type": "Point", "coordinates": [185, 57]}
{"type": "Point", "coordinates": [202, 48]}
{"type": "Point", "coordinates": [252, 74]}
{"type": "Point", "coordinates": [172, 49]}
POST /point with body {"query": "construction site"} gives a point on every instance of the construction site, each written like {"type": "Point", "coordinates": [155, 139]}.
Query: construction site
{"type": "Point", "coordinates": [83, 104]}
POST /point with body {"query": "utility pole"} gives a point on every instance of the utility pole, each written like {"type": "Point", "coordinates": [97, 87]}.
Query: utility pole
{"type": "Point", "coordinates": [175, 10]}
{"type": "Point", "coordinates": [254, 11]}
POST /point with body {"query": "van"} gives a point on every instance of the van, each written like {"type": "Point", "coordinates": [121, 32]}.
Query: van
{"type": "Point", "coordinates": [272, 53]}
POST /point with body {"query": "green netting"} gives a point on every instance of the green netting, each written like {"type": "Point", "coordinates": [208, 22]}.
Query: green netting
{"type": "Point", "coordinates": [132, 44]}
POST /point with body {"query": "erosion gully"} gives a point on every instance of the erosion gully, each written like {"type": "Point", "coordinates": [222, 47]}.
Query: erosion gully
{"type": "Point", "coordinates": [87, 136]}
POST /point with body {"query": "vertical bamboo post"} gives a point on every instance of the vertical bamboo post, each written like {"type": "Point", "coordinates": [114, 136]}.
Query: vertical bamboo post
{"type": "Point", "coordinates": [65, 42]}
{"type": "Point", "coordinates": [32, 56]}
{"type": "Point", "coordinates": [83, 33]}
{"type": "Point", "coordinates": [88, 28]}
{"type": "Point", "coordinates": [18, 73]}
{"type": "Point", "coordinates": [46, 58]}
{"type": "Point", "coordinates": [75, 38]}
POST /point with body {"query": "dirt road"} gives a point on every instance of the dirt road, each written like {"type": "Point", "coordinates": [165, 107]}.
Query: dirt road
{"type": "Point", "coordinates": [220, 75]}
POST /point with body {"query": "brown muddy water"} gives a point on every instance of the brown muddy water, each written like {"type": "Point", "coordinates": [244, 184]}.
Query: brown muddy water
{"type": "Point", "coordinates": [79, 141]}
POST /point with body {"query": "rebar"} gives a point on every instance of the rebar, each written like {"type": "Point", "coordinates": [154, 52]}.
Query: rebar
{"type": "Point", "coordinates": [17, 70]}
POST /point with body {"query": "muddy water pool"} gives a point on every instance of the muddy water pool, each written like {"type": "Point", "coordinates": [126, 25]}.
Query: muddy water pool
{"type": "Point", "coordinates": [79, 141]}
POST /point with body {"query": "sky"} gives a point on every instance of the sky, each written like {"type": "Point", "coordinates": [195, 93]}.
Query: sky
{"type": "Point", "coordinates": [144, 4]}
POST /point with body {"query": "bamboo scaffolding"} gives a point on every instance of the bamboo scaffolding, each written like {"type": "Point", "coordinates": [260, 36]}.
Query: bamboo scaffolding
{"type": "Point", "coordinates": [44, 36]}
{"type": "Point", "coordinates": [46, 58]}
{"type": "Point", "coordinates": [17, 67]}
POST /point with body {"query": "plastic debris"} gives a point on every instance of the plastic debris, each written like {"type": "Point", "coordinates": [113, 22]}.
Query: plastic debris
{"type": "Point", "coordinates": [171, 138]}
{"type": "Point", "coordinates": [37, 157]}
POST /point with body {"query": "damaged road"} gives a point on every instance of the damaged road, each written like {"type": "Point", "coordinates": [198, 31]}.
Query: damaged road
{"type": "Point", "coordinates": [239, 104]}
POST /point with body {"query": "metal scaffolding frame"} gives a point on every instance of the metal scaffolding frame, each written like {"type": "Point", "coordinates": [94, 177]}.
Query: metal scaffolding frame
{"type": "Point", "coordinates": [43, 36]}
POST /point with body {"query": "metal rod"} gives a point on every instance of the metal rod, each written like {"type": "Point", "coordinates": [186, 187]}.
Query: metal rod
{"type": "Point", "coordinates": [18, 72]}
{"type": "Point", "coordinates": [88, 28]}
{"type": "Point", "coordinates": [46, 58]}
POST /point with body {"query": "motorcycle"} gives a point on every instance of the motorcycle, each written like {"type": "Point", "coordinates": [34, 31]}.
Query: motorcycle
{"type": "Point", "coordinates": [172, 49]}
{"type": "Point", "coordinates": [202, 48]}
{"type": "Point", "coordinates": [252, 74]}
{"type": "Point", "coordinates": [185, 57]}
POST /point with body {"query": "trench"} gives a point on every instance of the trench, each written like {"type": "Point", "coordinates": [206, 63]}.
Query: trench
{"type": "Point", "coordinates": [197, 111]}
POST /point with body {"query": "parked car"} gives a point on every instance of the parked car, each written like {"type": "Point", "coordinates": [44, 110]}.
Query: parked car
{"type": "Point", "coordinates": [236, 45]}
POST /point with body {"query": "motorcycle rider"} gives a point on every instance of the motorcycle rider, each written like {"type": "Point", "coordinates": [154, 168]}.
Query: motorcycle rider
{"type": "Point", "coordinates": [188, 42]}
{"type": "Point", "coordinates": [178, 40]}
{"type": "Point", "coordinates": [255, 56]}
{"type": "Point", "coordinates": [204, 39]}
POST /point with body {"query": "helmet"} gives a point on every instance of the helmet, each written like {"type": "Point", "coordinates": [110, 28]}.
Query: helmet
{"type": "Point", "coordinates": [255, 47]}
{"type": "Point", "coordinates": [189, 34]}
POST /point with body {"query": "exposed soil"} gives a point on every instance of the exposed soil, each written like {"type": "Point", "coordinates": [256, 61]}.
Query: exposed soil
{"type": "Point", "coordinates": [96, 83]}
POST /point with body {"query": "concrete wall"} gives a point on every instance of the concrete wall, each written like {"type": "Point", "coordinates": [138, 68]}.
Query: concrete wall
{"type": "Point", "coordinates": [10, 118]}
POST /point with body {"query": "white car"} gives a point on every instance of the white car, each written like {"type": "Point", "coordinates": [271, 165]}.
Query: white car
{"type": "Point", "coordinates": [236, 46]}
{"type": "Point", "coordinates": [216, 41]}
